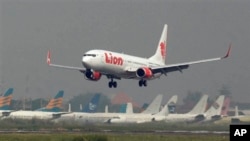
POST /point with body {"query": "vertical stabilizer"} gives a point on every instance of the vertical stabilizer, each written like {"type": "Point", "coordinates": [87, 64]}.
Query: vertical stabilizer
{"type": "Point", "coordinates": [225, 107]}
{"type": "Point", "coordinates": [154, 106]}
{"type": "Point", "coordinates": [69, 110]}
{"type": "Point", "coordinates": [91, 107]}
{"type": "Point", "coordinates": [129, 109]}
{"type": "Point", "coordinates": [123, 108]}
{"type": "Point", "coordinates": [5, 99]}
{"type": "Point", "coordinates": [236, 111]}
{"type": "Point", "coordinates": [161, 51]}
{"type": "Point", "coordinates": [215, 108]}
{"type": "Point", "coordinates": [54, 104]}
{"type": "Point", "coordinates": [106, 109]}
{"type": "Point", "coordinates": [200, 107]}
{"type": "Point", "coordinates": [164, 111]}
{"type": "Point", "coordinates": [172, 104]}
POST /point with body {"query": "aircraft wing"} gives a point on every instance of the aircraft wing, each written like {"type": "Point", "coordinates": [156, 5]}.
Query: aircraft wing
{"type": "Point", "coordinates": [6, 113]}
{"type": "Point", "coordinates": [81, 69]}
{"type": "Point", "coordinates": [181, 66]}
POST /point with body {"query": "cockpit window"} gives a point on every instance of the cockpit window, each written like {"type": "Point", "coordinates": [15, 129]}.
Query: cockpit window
{"type": "Point", "coordinates": [93, 55]}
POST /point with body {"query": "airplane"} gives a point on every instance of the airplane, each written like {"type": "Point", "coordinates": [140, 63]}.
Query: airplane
{"type": "Point", "coordinates": [198, 109]}
{"type": "Point", "coordinates": [139, 117]}
{"type": "Point", "coordinates": [5, 101]}
{"type": "Point", "coordinates": [50, 112]}
{"type": "Point", "coordinates": [237, 118]}
{"type": "Point", "coordinates": [119, 65]}
{"type": "Point", "coordinates": [55, 104]}
{"type": "Point", "coordinates": [152, 112]}
{"type": "Point", "coordinates": [83, 117]}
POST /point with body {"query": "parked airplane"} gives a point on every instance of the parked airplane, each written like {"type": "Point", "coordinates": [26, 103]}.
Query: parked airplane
{"type": "Point", "coordinates": [82, 117]}
{"type": "Point", "coordinates": [55, 104]}
{"type": "Point", "coordinates": [197, 110]}
{"type": "Point", "coordinates": [47, 114]}
{"type": "Point", "coordinates": [139, 117]}
{"type": "Point", "coordinates": [234, 119]}
{"type": "Point", "coordinates": [5, 101]}
{"type": "Point", "coordinates": [118, 65]}
{"type": "Point", "coordinates": [152, 113]}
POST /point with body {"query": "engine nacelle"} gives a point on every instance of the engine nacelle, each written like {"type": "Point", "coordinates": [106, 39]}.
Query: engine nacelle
{"type": "Point", "coordinates": [92, 75]}
{"type": "Point", "coordinates": [144, 73]}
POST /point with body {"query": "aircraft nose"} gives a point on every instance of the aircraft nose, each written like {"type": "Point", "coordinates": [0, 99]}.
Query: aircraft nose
{"type": "Point", "coordinates": [86, 61]}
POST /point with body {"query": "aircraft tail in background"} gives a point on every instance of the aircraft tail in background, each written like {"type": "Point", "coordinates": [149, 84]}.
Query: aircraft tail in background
{"type": "Point", "coordinates": [91, 107]}
{"type": "Point", "coordinates": [55, 104]}
{"type": "Point", "coordinates": [123, 108]}
{"type": "Point", "coordinates": [225, 107]}
{"type": "Point", "coordinates": [214, 112]}
{"type": "Point", "coordinates": [5, 99]}
{"type": "Point", "coordinates": [154, 107]}
{"type": "Point", "coordinates": [171, 104]}
{"type": "Point", "coordinates": [200, 107]}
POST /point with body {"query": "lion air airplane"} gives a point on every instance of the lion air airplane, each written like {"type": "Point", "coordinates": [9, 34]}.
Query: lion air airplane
{"type": "Point", "coordinates": [118, 65]}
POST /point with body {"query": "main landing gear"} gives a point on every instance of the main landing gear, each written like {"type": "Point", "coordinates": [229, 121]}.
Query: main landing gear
{"type": "Point", "coordinates": [112, 83]}
{"type": "Point", "coordinates": [143, 83]}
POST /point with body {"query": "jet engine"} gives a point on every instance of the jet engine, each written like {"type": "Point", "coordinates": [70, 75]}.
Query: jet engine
{"type": "Point", "coordinates": [144, 72]}
{"type": "Point", "coordinates": [92, 75]}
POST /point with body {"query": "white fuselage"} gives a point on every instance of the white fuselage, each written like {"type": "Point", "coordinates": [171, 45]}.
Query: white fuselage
{"type": "Point", "coordinates": [121, 65]}
{"type": "Point", "coordinates": [81, 117]}
{"type": "Point", "coordinates": [30, 115]}
{"type": "Point", "coordinates": [180, 117]}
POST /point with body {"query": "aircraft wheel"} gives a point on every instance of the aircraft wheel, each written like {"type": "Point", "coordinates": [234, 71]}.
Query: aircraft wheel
{"type": "Point", "coordinates": [140, 83]}
{"type": "Point", "coordinates": [115, 84]}
{"type": "Point", "coordinates": [145, 83]}
{"type": "Point", "coordinates": [110, 84]}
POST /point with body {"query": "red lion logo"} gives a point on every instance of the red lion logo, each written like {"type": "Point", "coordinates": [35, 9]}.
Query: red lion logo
{"type": "Point", "coordinates": [163, 49]}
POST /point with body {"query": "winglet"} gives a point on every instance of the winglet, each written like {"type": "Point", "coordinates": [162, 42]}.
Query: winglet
{"type": "Point", "coordinates": [228, 51]}
{"type": "Point", "coordinates": [48, 57]}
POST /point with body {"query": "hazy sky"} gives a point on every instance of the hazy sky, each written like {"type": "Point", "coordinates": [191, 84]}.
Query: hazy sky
{"type": "Point", "coordinates": [198, 29]}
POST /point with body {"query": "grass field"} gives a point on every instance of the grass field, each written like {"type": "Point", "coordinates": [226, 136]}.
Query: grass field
{"type": "Point", "coordinates": [110, 137]}
{"type": "Point", "coordinates": [36, 130]}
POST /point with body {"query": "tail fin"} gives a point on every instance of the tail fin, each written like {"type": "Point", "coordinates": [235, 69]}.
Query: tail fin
{"type": "Point", "coordinates": [129, 109]}
{"type": "Point", "coordinates": [123, 108]}
{"type": "Point", "coordinates": [106, 109]}
{"type": "Point", "coordinates": [92, 105]}
{"type": "Point", "coordinates": [172, 104]}
{"type": "Point", "coordinates": [236, 111]}
{"type": "Point", "coordinates": [215, 108]}
{"type": "Point", "coordinates": [160, 54]}
{"type": "Point", "coordinates": [154, 106]}
{"type": "Point", "coordinates": [69, 110]}
{"type": "Point", "coordinates": [200, 107]}
{"type": "Point", "coordinates": [54, 104]}
{"type": "Point", "coordinates": [164, 111]}
{"type": "Point", "coordinates": [5, 100]}
{"type": "Point", "coordinates": [225, 106]}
